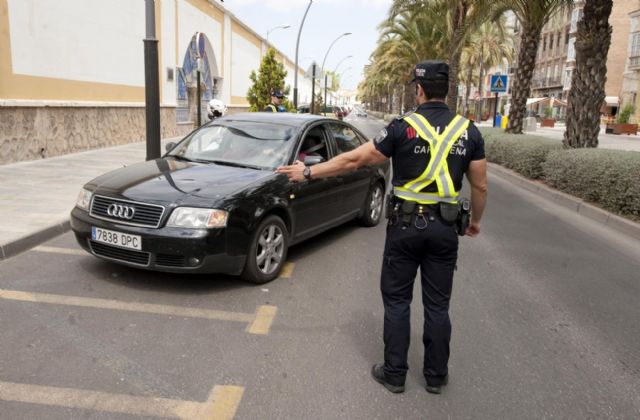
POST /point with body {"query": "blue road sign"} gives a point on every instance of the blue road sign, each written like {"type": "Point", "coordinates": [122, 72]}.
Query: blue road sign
{"type": "Point", "coordinates": [498, 83]}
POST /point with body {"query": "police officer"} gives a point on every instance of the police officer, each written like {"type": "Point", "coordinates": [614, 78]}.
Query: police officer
{"type": "Point", "coordinates": [431, 149]}
{"type": "Point", "coordinates": [276, 102]}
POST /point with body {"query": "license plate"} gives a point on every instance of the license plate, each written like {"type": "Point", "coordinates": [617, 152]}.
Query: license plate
{"type": "Point", "coordinates": [110, 237]}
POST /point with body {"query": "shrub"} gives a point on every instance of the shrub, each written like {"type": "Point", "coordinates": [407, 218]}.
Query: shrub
{"type": "Point", "coordinates": [548, 112]}
{"type": "Point", "coordinates": [609, 178]}
{"type": "Point", "coordinates": [625, 114]}
{"type": "Point", "coordinates": [523, 153]}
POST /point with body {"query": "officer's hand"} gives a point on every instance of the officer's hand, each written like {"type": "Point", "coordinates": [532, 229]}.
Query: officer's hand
{"type": "Point", "coordinates": [294, 172]}
{"type": "Point", "coordinates": [473, 229]}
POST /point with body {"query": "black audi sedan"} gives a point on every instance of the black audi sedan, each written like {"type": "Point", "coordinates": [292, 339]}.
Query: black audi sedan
{"type": "Point", "coordinates": [214, 203]}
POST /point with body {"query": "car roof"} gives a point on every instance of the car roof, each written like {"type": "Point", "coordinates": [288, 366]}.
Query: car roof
{"type": "Point", "coordinates": [286, 118]}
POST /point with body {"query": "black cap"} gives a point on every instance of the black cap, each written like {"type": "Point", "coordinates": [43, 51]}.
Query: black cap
{"type": "Point", "coordinates": [430, 70]}
{"type": "Point", "coordinates": [277, 93]}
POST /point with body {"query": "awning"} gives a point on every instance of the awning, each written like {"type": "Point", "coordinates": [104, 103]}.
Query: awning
{"type": "Point", "coordinates": [545, 100]}
{"type": "Point", "coordinates": [612, 100]}
{"type": "Point", "coordinates": [536, 101]}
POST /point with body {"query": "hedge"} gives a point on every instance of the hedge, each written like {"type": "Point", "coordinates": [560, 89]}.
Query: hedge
{"type": "Point", "coordinates": [608, 178]}
{"type": "Point", "coordinates": [523, 153]}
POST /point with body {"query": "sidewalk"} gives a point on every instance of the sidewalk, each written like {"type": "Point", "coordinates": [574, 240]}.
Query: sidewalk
{"type": "Point", "coordinates": [36, 197]}
{"type": "Point", "coordinates": [605, 141]}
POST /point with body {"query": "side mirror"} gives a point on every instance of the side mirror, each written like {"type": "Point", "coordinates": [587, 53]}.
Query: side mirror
{"type": "Point", "coordinates": [313, 160]}
{"type": "Point", "coordinates": [169, 146]}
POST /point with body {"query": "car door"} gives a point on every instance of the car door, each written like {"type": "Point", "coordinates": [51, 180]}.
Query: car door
{"type": "Point", "coordinates": [317, 202]}
{"type": "Point", "coordinates": [354, 186]}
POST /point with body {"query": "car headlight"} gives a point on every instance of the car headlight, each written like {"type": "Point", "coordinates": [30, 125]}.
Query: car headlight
{"type": "Point", "coordinates": [84, 199]}
{"type": "Point", "coordinates": [190, 217]}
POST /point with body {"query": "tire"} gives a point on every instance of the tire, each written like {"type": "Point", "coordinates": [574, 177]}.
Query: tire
{"type": "Point", "coordinates": [373, 206]}
{"type": "Point", "coordinates": [267, 251]}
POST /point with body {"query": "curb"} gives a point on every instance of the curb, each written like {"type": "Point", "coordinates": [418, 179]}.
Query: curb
{"type": "Point", "coordinates": [618, 223]}
{"type": "Point", "coordinates": [33, 239]}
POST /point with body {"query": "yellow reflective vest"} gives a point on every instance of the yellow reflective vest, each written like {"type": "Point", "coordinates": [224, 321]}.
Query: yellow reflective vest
{"type": "Point", "coordinates": [437, 170]}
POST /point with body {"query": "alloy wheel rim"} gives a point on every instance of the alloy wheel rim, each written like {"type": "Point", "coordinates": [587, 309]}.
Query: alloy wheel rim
{"type": "Point", "coordinates": [375, 205]}
{"type": "Point", "coordinates": [270, 249]}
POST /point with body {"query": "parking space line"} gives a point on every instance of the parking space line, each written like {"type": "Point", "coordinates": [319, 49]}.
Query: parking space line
{"type": "Point", "coordinates": [262, 318]}
{"type": "Point", "coordinates": [222, 403]}
{"type": "Point", "coordinates": [287, 270]}
{"type": "Point", "coordinates": [57, 250]}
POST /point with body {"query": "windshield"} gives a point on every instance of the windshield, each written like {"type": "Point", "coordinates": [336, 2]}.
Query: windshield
{"type": "Point", "coordinates": [239, 143]}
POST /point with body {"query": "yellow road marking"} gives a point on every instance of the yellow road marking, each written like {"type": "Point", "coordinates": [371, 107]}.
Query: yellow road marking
{"type": "Point", "coordinates": [222, 403]}
{"type": "Point", "coordinates": [56, 250]}
{"type": "Point", "coordinates": [260, 318]}
{"type": "Point", "coordinates": [287, 270]}
{"type": "Point", "coordinates": [264, 318]}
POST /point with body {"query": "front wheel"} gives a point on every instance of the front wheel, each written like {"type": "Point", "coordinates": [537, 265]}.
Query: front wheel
{"type": "Point", "coordinates": [373, 206]}
{"type": "Point", "coordinates": [267, 251]}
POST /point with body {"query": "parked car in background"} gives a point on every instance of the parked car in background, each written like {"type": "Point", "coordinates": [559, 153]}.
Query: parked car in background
{"type": "Point", "coordinates": [360, 112]}
{"type": "Point", "coordinates": [214, 203]}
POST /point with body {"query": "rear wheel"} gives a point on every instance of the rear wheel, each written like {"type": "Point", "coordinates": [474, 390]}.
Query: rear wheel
{"type": "Point", "coordinates": [267, 252]}
{"type": "Point", "coordinates": [373, 206]}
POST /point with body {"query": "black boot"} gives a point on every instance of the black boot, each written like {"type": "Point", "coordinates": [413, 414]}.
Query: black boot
{"type": "Point", "coordinates": [377, 372]}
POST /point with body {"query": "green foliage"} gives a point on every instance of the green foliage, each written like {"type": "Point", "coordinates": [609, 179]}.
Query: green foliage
{"type": "Point", "coordinates": [271, 75]}
{"type": "Point", "coordinates": [548, 112]}
{"type": "Point", "coordinates": [524, 154]}
{"type": "Point", "coordinates": [608, 178]}
{"type": "Point", "coordinates": [625, 115]}
{"type": "Point", "coordinates": [317, 104]}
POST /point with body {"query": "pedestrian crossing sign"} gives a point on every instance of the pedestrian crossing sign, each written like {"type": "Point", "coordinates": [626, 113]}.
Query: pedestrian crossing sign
{"type": "Point", "coordinates": [498, 83]}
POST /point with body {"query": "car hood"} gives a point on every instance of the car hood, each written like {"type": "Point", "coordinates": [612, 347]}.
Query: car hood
{"type": "Point", "coordinates": [169, 180]}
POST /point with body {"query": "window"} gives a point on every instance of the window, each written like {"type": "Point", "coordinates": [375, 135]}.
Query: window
{"type": "Point", "coordinates": [314, 144]}
{"type": "Point", "coordinates": [558, 41]}
{"type": "Point", "coordinates": [544, 43]}
{"type": "Point", "coordinates": [551, 41]}
{"type": "Point", "coordinates": [346, 138]}
{"type": "Point", "coordinates": [566, 37]}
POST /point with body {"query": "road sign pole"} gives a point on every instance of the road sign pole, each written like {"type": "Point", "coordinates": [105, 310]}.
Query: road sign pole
{"type": "Point", "coordinates": [495, 111]}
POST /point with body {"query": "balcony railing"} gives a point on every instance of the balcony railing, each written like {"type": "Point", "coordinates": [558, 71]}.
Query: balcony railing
{"type": "Point", "coordinates": [634, 62]}
{"type": "Point", "coordinates": [546, 82]}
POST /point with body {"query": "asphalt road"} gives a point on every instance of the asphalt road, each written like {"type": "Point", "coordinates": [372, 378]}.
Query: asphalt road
{"type": "Point", "coordinates": [546, 324]}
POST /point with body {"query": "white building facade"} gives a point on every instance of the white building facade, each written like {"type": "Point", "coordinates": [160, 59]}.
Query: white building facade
{"type": "Point", "coordinates": [72, 71]}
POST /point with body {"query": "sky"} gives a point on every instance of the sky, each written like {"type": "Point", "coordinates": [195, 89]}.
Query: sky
{"type": "Point", "coordinates": [326, 21]}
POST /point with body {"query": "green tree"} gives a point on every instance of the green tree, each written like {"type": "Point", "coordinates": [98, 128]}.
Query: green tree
{"type": "Point", "coordinates": [456, 21]}
{"type": "Point", "coordinates": [271, 75]}
{"type": "Point", "coordinates": [587, 84]}
{"type": "Point", "coordinates": [489, 45]}
{"type": "Point", "coordinates": [533, 15]}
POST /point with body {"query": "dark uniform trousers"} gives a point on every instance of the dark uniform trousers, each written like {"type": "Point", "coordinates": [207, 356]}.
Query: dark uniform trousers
{"type": "Point", "coordinates": [435, 250]}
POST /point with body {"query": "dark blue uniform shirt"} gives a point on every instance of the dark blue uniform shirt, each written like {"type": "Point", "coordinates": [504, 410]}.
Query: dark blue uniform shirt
{"type": "Point", "coordinates": [410, 154]}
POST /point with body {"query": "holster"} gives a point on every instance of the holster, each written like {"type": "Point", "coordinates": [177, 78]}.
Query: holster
{"type": "Point", "coordinates": [464, 216]}
{"type": "Point", "coordinates": [449, 212]}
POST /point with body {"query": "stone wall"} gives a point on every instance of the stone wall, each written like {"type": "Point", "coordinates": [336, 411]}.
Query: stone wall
{"type": "Point", "coordinates": [37, 132]}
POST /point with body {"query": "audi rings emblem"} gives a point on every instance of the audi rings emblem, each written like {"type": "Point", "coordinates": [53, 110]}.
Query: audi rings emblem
{"type": "Point", "coordinates": [121, 211]}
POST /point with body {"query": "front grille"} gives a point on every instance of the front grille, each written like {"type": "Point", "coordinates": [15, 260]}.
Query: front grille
{"type": "Point", "coordinates": [169, 260]}
{"type": "Point", "coordinates": [147, 215]}
{"type": "Point", "coordinates": [119, 254]}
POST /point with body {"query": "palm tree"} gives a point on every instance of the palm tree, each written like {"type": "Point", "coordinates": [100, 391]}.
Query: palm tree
{"type": "Point", "coordinates": [533, 15]}
{"type": "Point", "coordinates": [590, 74]}
{"type": "Point", "coordinates": [488, 46]}
{"type": "Point", "coordinates": [460, 18]}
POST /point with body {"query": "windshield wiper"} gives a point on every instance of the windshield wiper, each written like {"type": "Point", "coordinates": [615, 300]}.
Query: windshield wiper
{"type": "Point", "coordinates": [178, 157]}
{"type": "Point", "coordinates": [236, 164]}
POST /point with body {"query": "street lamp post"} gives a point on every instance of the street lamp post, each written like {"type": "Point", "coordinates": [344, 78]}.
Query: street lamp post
{"type": "Point", "coordinates": [273, 29]}
{"type": "Point", "coordinates": [325, 59]}
{"type": "Point", "coordinates": [295, 76]}
{"type": "Point", "coordinates": [151, 83]}
{"type": "Point", "coordinates": [341, 61]}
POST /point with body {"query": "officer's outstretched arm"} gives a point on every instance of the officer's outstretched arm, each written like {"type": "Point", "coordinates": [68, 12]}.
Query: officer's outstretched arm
{"type": "Point", "coordinates": [477, 176]}
{"type": "Point", "coordinates": [346, 162]}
